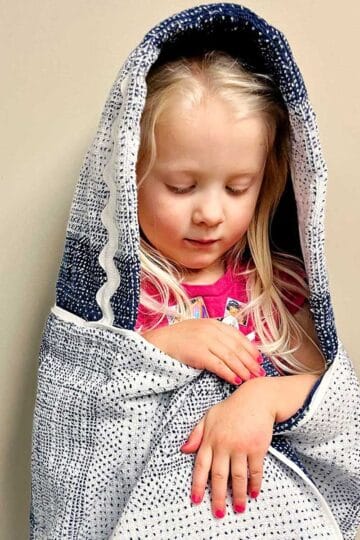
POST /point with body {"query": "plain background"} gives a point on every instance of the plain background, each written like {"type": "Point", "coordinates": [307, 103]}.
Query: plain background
{"type": "Point", "coordinates": [59, 60]}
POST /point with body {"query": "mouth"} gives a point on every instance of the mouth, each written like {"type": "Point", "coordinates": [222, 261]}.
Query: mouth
{"type": "Point", "coordinates": [201, 242]}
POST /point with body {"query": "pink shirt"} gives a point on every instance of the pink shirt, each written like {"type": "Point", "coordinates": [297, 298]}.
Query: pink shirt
{"type": "Point", "coordinates": [220, 300]}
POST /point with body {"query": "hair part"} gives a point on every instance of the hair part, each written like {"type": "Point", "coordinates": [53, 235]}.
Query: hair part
{"type": "Point", "coordinates": [190, 82]}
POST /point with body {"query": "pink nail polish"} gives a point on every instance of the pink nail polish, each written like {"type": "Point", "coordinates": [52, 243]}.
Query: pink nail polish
{"type": "Point", "coordinates": [195, 498]}
{"type": "Point", "coordinates": [219, 513]}
{"type": "Point", "coordinates": [260, 359]}
{"type": "Point", "coordinates": [239, 508]}
{"type": "Point", "coordinates": [184, 446]}
{"type": "Point", "coordinates": [237, 380]}
{"type": "Point", "coordinates": [254, 494]}
{"type": "Point", "coordinates": [262, 371]}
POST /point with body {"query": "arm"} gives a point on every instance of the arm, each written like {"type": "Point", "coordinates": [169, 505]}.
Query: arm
{"type": "Point", "coordinates": [243, 423]}
{"type": "Point", "coordinates": [309, 353]}
{"type": "Point", "coordinates": [239, 430]}
{"type": "Point", "coordinates": [288, 393]}
{"type": "Point", "coordinates": [285, 394]}
{"type": "Point", "coordinates": [323, 432]}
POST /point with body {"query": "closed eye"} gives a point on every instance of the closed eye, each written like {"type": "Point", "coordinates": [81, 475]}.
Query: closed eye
{"type": "Point", "coordinates": [237, 191]}
{"type": "Point", "coordinates": [175, 189]}
{"type": "Point", "coordinates": [179, 190]}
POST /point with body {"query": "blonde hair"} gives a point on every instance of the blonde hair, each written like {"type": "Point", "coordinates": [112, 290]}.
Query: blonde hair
{"type": "Point", "coordinates": [190, 81]}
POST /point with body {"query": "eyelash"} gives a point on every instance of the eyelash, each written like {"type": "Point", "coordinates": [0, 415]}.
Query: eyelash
{"type": "Point", "coordinates": [180, 191]}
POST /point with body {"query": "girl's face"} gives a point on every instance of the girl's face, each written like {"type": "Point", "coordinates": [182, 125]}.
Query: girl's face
{"type": "Point", "coordinates": [204, 185]}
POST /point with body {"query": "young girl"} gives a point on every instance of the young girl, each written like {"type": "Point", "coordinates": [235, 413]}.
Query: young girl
{"type": "Point", "coordinates": [192, 302]}
{"type": "Point", "coordinates": [213, 163]}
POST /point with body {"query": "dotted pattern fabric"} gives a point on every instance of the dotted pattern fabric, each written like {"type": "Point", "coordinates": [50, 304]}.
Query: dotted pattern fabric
{"type": "Point", "coordinates": [112, 411]}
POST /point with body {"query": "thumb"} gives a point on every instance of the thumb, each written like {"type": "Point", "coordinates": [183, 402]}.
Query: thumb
{"type": "Point", "coordinates": [195, 438]}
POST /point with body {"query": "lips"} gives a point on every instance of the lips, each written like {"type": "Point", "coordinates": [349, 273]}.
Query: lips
{"type": "Point", "coordinates": [203, 241]}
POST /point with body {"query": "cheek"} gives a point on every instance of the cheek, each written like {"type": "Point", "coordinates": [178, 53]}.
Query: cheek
{"type": "Point", "coordinates": [167, 216]}
{"type": "Point", "coordinates": [249, 207]}
{"type": "Point", "coordinates": [241, 217]}
{"type": "Point", "coordinates": [142, 207]}
{"type": "Point", "coordinates": [157, 212]}
{"type": "Point", "coordinates": [146, 214]}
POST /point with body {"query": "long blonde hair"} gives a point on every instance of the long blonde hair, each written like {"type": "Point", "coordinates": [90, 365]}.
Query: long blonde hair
{"type": "Point", "coordinates": [191, 80]}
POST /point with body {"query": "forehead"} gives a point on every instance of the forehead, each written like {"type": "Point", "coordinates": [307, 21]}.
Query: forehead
{"type": "Point", "coordinates": [209, 135]}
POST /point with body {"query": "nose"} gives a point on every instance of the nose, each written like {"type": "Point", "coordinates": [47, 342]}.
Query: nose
{"type": "Point", "coordinates": [208, 209]}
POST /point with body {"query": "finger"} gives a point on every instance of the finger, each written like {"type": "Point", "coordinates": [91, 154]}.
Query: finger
{"type": "Point", "coordinates": [231, 360]}
{"type": "Point", "coordinates": [201, 473]}
{"type": "Point", "coordinates": [234, 351]}
{"type": "Point", "coordinates": [193, 442]}
{"type": "Point", "coordinates": [245, 359]}
{"type": "Point", "coordinates": [219, 482]}
{"type": "Point", "coordinates": [239, 480]}
{"type": "Point", "coordinates": [255, 464]}
{"type": "Point", "coordinates": [238, 338]}
{"type": "Point", "coordinates": [216, 365]}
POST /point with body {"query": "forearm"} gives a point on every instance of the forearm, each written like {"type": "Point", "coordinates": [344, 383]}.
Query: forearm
{"type": "Point", "coordinates": [285, 394]}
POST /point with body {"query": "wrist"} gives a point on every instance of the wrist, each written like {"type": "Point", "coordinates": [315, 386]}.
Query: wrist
{"type": "Point", "coordinates": [262, 391]}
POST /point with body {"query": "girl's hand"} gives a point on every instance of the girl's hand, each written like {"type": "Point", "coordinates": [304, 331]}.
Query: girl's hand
{"type": "Point", "coordinates": [233, 436]}
{"type": "Point", "coordinates": [212, 345]}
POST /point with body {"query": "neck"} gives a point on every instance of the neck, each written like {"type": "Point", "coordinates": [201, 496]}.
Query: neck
{"type": "Point", "coordinates": [204, 276]}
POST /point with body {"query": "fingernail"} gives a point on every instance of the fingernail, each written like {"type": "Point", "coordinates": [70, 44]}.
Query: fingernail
{"type": "Point", "coordinates": [219, 513]}
{"type": "Point", "coordinates": [252, 376]}
{"type": "Point", "coordinates": [262, 371]}
{"type": "Point", "coordinates": [260, 359]}
{"type": "Point", "coordinates": [195, 498]}
{"type": "Point", "coordinates": [185, 443]}
{"type": "Point", "coordinates": [237, 380]}
{"type": "Point", "coordinates": [239, 508]}
{"type": "Point", "coordinates": [254, 494]}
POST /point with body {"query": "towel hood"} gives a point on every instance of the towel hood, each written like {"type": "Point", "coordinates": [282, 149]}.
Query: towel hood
{"type": "Point", "coordinates": [99, 276]}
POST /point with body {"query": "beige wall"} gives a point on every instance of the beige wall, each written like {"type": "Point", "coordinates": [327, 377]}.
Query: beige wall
{"type": "Point", "coordinates": [59, 60]}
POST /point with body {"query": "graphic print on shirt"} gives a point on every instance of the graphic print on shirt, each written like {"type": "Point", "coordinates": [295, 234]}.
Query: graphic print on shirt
{"type": "Point", "coordinates": [198, 310]}
{"type": "Point", "coordinates": [232, 314]}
